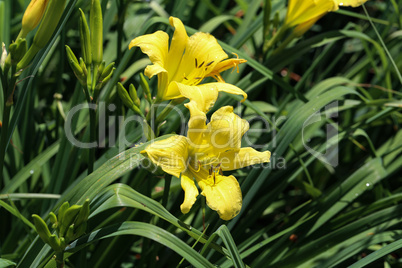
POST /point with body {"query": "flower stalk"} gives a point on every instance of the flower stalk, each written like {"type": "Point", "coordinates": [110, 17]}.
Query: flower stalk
{"type": "Point", "coordinates": [90, 70]}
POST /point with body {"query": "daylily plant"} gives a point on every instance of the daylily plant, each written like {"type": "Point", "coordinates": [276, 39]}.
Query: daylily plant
{"type": "Point", "coordinates": [182, 66]}
{"type": "Point", "coordinates": [305, 13]}
{"type": "Point", "coordinates": [208, 150]}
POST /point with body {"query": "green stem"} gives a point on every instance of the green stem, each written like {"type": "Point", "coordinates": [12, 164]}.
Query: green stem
{"type": "Point", "coordinates": [92, 137]}
{"type": "Point", "coordinates": [285, 43]}
{"type": "Point", "coordinates": [60, 259]}
{"type": "Point", "coordinates": [165, 111]}
{"type": "Point", "coordinates": [270, 43]}
{"type": "Point", "coordinates": [166, 190]}
{"type": "Point", "coordinates": [7, 90]}
{"type": "Point", "coordinates": [151, 117]}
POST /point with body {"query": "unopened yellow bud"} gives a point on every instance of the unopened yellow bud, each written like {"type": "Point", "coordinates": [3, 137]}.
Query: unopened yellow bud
{"type": "Point", "coordinates": [32, 16]}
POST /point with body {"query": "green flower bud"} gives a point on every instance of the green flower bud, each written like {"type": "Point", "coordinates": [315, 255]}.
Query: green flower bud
{"type": "Point", "coordinates": [49, 22]}
{"type": "Point", "coordinates": [41, 228]}
{"type": "Point", "coordinates": [104, 80]}
{"type": "Point", "coordinates": [75, 66]}
{"type": "Point", "coordinates": [145, 88]}
{"type": "Point", "coordinates": [32, 16]}
{"type": "Point", "coordinates": [53, 220]}
{"type": "Point", "coordinates": [107, 71]}
{"type": "Point", "coordinates": [16, 51]}
{"type": "Point", "coordinates": [54, 242]}
{"type": "Point", "coordinates": [62, 210]}
{"type": "Point", "coordinates": [96, 25]}
{"type": "Point", "coordinates": [21, 50]}
{"type": "Point", "coordinates": [125, 97]}
{"type": "Point", "coordinates": [133, 93]}
{"type": "Point", "coordinates": [85, 39]}
{"type": "Point", "coordinates": [100, 69]}
{"type": "Point", "coordinates": [70, 233]}
{"type": "Point", "coordinates": [62, 243]}
{"type": "Point", "coordinates": [83, 214]}
{"type": "Point", "coordinates": [69, 218]}
{"type": "Point", "coordinates": [83, 67]}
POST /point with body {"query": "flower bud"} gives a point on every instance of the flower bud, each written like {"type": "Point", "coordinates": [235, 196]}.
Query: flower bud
{"type": "Point", "coordinates": [106, 72]}
{"type": "Point", "coordinates": [101, 68]}
{"type": "Point", "coordinates": [145, 88]}
{"type": "Point", "coordinates": [54, 242]}
{"type": "Point", "coordinates": [104, 80]}
{"type": "Point", "coordinates": [53, 220]}
{"type": "Point", "coordinates": [83, 67]}
{"type": "Point", "coordinates": [85, 39]}
{"type": "Point", "coordinates": [46, 28]}
{"type": "Point", "coordinates": [133, 94]}
{"type": "Point", "coordinates": [32, 16]}
{"type": "Point", "coordinates": [62, 211]}
{"type": "Point", "coordinates": [70, 233]}
{"type": "Point", "coordinates": [16, 51]}
{"type": "Point", "coordinates": [69, 218]}
{"type": "Point", "coordinates": [41, 228]}
{"type": "Point", "coordinates": [3, 55]}
{"type": "Point", "coordinates": [83, 214]}
{"type": "Point", "coordinates": [49, 22]}
{"type": "Point", "coordinates": [96, 25]}
{"type": "Point", "coordinates": [126, 98]}
{"type": "Point", "coordinates": [78, 71]}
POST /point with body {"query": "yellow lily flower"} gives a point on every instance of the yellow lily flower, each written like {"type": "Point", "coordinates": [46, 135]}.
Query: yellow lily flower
{"type": "Point", "coordinates": [307, 12]}
{"type": "Point", "coordinates": [182, 66]}
{"type": "Point", "coordinates": [208, 150]}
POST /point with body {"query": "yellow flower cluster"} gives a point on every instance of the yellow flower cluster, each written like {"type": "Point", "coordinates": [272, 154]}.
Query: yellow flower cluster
{"type": "Point", "coordinates": [208, 149]}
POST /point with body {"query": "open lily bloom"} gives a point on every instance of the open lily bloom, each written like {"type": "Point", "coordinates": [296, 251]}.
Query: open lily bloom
{"type": "Point", "coordinates": [208, 150]}
{"type": "Point", "coordinates": [182, 66]}
{"type": "Point", "coordinates": [306, 12]}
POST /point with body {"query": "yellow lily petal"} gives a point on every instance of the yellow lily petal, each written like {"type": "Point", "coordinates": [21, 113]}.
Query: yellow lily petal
{"type": "Point", "coordinates": [170, 154]}
{"type": "Point", "coordinates": [226, 129]}
{"type": "Point", "coordinates": [199, 146]}
{"type": "Point", "coordinates": [225, 65]}
{"type": "Point", "coordinates": [305, 26]}
{"type": "Point", "coordinates": [231, 160]}
{"type": "Point", "coordinates": [190, 192]}
{"type": "Point", "coordinates": [163, 81]}
{"type": "Point", "coordinates": [152, 70]}
{"type": "Point", "coordinates": [300, 11]}
{"type": "Point", "coordinates": [222, 134]}
{"type": "Point", "coordinates": [177, 46]}
{"type": "Point", "coordinates": [203, 95]}
{"type": "Point", "coordinates": [223, 194]}
{"type": "Point", "coordinates": [351, 3]}
{"type": "Point", "coordinates": [201, 55]}
{"type": "Point", "coordinates": [231, 89]}
{"type": "Point", "coordinates": [155, 46]}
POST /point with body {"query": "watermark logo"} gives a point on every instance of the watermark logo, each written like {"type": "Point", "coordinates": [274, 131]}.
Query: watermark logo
{"type": "Point", "coordinates": [116, 131]}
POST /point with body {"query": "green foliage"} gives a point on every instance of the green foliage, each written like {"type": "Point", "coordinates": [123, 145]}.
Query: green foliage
{"type": "Point", "coordinates": [327, 105]}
